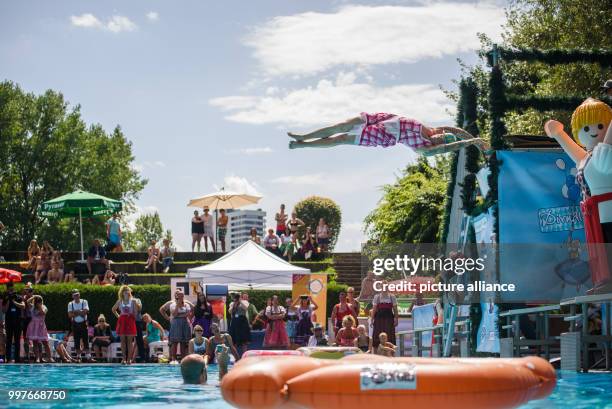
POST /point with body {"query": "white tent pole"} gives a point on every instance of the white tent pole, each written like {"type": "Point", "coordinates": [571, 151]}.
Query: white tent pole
{"type": "Point", "coordinates": [81, 230]}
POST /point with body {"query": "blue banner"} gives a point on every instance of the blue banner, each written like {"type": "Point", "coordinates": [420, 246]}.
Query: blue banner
{"type": "Point", "coordinates": [541, 230]}
{"type": "Point", "coordinates": [487, 338]}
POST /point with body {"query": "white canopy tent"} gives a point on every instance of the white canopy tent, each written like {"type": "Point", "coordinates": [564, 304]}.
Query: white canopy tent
{"type": "Point", "coordinates": [248, 266]}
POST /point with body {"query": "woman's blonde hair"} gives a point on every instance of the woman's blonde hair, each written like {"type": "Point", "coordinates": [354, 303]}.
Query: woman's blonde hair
{"type": "Point", "coordinates": [122, 289]}
{"type": "Point", "coordinates": [102, 318]}
{"type": "Point", "coordinates": [591, 111]}
{"type": "Point", "coordinates": [348, 318]}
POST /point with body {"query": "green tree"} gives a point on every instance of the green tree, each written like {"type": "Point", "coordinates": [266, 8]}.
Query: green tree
{"type": "Point", "coordinates": [547, 24]}
{"type": "Point", "coordinates": [47, 150]}
{"type": "Point", "coordinates": [311, 209]}
{"type": "Point", "coordinates": [411, 209]}
{"type": "Point", "coordinates": [147, 227]}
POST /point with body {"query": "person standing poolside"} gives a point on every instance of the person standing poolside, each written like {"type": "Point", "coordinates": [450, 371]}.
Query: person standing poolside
{"type": "Point", "coordinates": [219, 338]}
{"type": "Point", "coordinates": [12, 305]}
{"type": "Point", "coordinates": [209, 232]}
{"type": "Point", "coordinates": [2, 333]}
{"type": "Point", "coordinates": [281, 221]}
{"type": "Point", "coordinates": [139, 340]}
{"type": "Point", "coordinates": [341, 310]}
{"type": "Point", "coordinates": [251, 308]}
{"type": "Point", "coordinates": [102, 336]}
{"type": "Point", "coordinates": [113, 233]}
{"type": "Point", "coordinates": [197, 230]}
{"type": "Point", "coordinates": [276, 333]}
{"type": "Point", "coordinates": [306, 307]}
{"type": "Point", "coordinates": [125, 309]}
{"type": "Point", "coordinates": [180, 330]}
{"type": "Point", "coordinates": [167, 255]}
{"type": "Point", "coordinates": [322, 235]}
{"type": "Point", "coordinates": [193, 369]}
{"type": "Point", "coordinates": [198, 344]}
{"type": "Point", "coordinates": [345, 337]}
{"type": "Point", "coordinates": [291, 320]}
{"type": "Point", "coordinates": [222, 228]}
{"type": "Point", "coordinates": [37, 330]}
{"type": "Point", "coordinates": [384, 316]}
{"type": "Point", "coordinates": [350, 299]}
{"type": "Point", "coordinates": [203, 314]}
{"type": "Point", "coordinates": [77, 312]}
{"type": "Point", "coordinates": [26, 318]}
{"type": "Point", "coordinates": [239, 328]}
{"type": "Point", "coordinates": [153, 255]}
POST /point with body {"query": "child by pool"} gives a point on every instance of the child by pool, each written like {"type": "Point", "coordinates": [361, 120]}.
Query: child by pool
{"type": "Point", "coordinates": [363, 340]}
{"type": "Point", "coordinates": [385, 348]}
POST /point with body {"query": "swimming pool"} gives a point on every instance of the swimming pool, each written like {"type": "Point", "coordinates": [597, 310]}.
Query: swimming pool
{"type": "Point", "coordinates": [157, 386]}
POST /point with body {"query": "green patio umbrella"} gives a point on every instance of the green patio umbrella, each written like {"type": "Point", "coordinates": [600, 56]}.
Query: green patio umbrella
{"type": "Point", "coordinates": [81, 204]}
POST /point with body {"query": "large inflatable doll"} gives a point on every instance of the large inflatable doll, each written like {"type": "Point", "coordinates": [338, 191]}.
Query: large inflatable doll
{"type": "Point", "coordinates": [383, 129]}
{"type": "Point", "coordinates": [592, 152]}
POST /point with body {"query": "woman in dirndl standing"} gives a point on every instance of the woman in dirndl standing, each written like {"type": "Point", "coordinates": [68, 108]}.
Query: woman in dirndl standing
{"type": "Point", "coordinates": [276, 334]}
{"type": "Point", "coordinates": [180, 311]}
{"type": "Point", "coordinates": [125, 309]}
{"type": "Point", "coordinates": [384, 316]}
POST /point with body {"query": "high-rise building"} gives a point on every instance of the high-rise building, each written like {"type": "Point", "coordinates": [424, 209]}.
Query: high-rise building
{"type": "Point", "coordinates": [239, 225]}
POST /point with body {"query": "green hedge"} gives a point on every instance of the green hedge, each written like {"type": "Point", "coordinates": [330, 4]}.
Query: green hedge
{"type": "Point", "coordinates": [102, 298]}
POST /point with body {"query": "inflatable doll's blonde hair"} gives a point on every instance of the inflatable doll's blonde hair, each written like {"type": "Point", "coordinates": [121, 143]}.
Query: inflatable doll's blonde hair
{"type": "Point", "coordinates": [591, 111]}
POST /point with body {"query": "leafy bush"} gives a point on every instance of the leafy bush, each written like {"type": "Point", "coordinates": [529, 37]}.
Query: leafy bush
{"type": "Point", "coordinates": [102, 298]}
{"type": "Point", "coordinates": [311, 209]}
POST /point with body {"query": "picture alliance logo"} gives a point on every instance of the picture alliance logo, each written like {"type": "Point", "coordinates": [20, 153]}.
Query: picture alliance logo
{"type": "Point", "coordinates": [411, 265]}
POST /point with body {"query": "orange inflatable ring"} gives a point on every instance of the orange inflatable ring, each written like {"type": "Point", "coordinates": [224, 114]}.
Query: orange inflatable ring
{"type": "Point", "coordinates": [270, 352]}
{"type": "Point", "coordinates": [329, 352]}
{"type": "Point", "coordinates": [368, 380]}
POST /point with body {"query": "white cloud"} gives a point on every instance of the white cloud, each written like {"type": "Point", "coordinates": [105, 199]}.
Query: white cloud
{"type": "Point", "coordinates": [312, 42]}
{"type": "Point", "coordinates": [253, 151]}
{"type": "Point", "coordinates": [301, 180]}
{"type": "Point", "coordinates": [120, 23]}
{"type": "Point", "coordinates": [329, 102]}
{"type": "Point", "coordinates": [240, 185]}
{"type": "Point", "coordinates": [86, 20]}
{"type": "Point", "coordinates": [115, 24]}
{"type": "Point", "coordinates": [159, 164]}
{"type": "Point", "coordinates": [153, 16]}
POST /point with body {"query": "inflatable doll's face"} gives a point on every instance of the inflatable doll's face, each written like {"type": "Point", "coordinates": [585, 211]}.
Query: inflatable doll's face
{"type": "Point", "coordinates": [592, 134]}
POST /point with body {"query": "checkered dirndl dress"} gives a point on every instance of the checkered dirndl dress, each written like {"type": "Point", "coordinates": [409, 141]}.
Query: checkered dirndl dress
{"type": "Point", "coordinates": [382, 129]}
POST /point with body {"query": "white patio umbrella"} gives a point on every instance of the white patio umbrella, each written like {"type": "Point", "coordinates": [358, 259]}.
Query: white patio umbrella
{"type": "Point", "coordinates": [223, 199]}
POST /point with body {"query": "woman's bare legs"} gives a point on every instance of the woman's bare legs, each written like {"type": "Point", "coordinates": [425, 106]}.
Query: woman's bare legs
{"type": "Point", "coordinates": [328, 131]}
{"type": "Point", "coordinates": [341, 139]}
{"type": "Point", "coordinates": [130, 346]}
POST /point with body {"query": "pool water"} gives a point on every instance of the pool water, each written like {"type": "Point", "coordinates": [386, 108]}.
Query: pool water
{"type": "Point", "coordinates": [157, 386]}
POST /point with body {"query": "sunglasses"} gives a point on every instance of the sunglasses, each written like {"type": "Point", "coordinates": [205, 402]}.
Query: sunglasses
{"type": "Point", "coordinates": [199, 330]}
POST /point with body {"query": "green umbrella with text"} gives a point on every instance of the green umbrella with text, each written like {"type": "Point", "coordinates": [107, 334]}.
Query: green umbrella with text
{"type": "Point", "coordinates": [82, 204]}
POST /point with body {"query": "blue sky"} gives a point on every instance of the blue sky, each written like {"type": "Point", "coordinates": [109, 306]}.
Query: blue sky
{"type": "Point", "coordinates": [206, 90]}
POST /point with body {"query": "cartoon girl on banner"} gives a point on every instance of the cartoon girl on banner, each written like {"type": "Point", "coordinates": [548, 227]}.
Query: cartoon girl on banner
{"type": "Point", "coordinates": [592, 152]}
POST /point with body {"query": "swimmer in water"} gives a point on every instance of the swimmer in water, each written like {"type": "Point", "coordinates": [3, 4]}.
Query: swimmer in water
{"type": "Point", "coordinates": [222, 358]}
{"type": "Point", "coordinates": [193, 369]}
